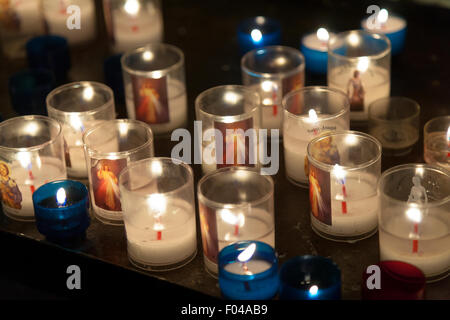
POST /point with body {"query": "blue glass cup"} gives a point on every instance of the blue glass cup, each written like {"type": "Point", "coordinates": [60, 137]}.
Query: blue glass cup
{"type": "Point", "coordinates": [258, 32]}
{"type": "Point", "coordinates": [248, 270]}
{"type": "Point", "coordinates": [310, 278]}
{"type": "Point", "coordinates": [28, 90]}
{"type": "Point", "coordinates": [50, 52]}
{"type": "Point", "coordinates": [62, 210]}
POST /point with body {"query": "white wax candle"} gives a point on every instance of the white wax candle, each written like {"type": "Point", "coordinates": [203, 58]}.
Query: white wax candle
{"type": "Point", "coordinates": [433, 256]}
{"type": "Point", "coordinates": [270, 93]}
{"type": "Point", "coordinates": [361, 204]}
{"type": "Point", "coordinates": [393, 24]}
{"type": "Point", "coordinates": [437, 149]}
{"type": "Point", "coordinates": [177, 107]}
{"type": "Point", "coordinates": [375, 81]}
{"type": "Point", "coordinates": [45, 170]}
{"type": "Point", "coordinates": [311, 41]}
{"type": "Point", "coordinates": [56, 17]}
{"type": "Point", "coordinates": [178, 238]}
{"type": "Point", "coordinates": [251, 267]}
{"type": "Point", "coordinates": [133, 31]}
{"type": "Point", "coordinates": [297, 135]}
{"type": "Point", "coordinates": [29, 15]}
{"type": "Point", "coordinates": [258, 225]}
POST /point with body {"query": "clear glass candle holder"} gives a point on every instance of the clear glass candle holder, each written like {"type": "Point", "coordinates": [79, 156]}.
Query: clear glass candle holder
{"type": "Point", "coordinates": [57, 15]}
{"type": "Point", "coordinates": [248, 270]}
{"type": "Point", "coordinates": [359, 63]}
{"type": "Point", "coordinates": [155, 87]}
{"type": "Point", "coordinates": [133, 23]}
{"type": "Point", "coordinates": [110, 147]}
{"type": "Point", "coordinates": [436, 134]}
{"type": "Point", "coordinates": [309, 112]}
{"type": "Point", "coordinates": [157, 197]}
{"type": "Point", "coordinates": [344, 168]}
{"type": "Point", "coordinates": [394, 121]}
{"type": "Point", "coordinates": [273, 72]}
{"type": "Point", "coordinates": [310, 278]}
{"type": "Point", "coordinates": [31, 154]}
{"type": "Point", "coordinates": [79, 106]}
{"type": "Point", "coordinates": [229, 117]}
{"type": "Point", "coordinates": [235, 203]}
{"type": "Point", "coordinates": [414, 224]}
{"type": "Point", "coordinates": [19, 21]}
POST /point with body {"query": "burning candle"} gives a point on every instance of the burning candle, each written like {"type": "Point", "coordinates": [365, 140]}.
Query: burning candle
{"type": "Point", "coordinates": [109, 147]}
{"type": "Point", "coordinates": [413, 224]}
{"type": "Point", "coordinates": [31, 149]}
{"type": "Point", "coordinates": [62, 210]}
{"type": "Point", "coordinates": [308, 113]}
{"type": "Point", "coordinates": [133, 23]}
{"type": "Point", "coordinates": [344, 167]}
{"type": "Point", "coordinates": [315, 49]}
{"type": "Point", "coordinates": [79, 106]}
{"type": "Point", "coordinates": [230, 119]}
{"type": "Point", "coordinates": [310, 278]}
{"type": "Point", "coordinates": [437, 142]}
{"type": "Point", "coordinates": [248, 270]}
{"type": "Point", "coordinates": [155, 88]}
{"type": "Point", "coordinates": [258, 32]}
{"type": "Point", "coordinates": [157, 196]}
{"type": "Point", "coordinates": [393, 27]}
{"type": "Point", "coordinates": [359, 64]}
{"type": "Point", "coordinates": [58, 13]}
{"type": "Point", "coordinates": [229, 213]}
{"type": "Point", "coordinates": [273, 72]}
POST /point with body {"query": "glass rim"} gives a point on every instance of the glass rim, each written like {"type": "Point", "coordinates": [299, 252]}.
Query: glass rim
{"type": "Point", "coordinates": [241, 88]}
{"type": "Point", "coordinates": [138, 123]}
{"type": "Point", "coordinates": [79, 84]}
{"type": "Point", "coordinates": [268, 75]}
{"type": "Point", "coordinates": [413, 103]}
{"type": "Point", "coordinates": [187, 184]}
{"type": "Point", "coordinates": [329, 167]}
{"type": "Point", "coordinates": [151, 74]}
{"type": "Point", "coordinates": [344, 110]}
{"type": "Point", "coordinates": [215, 204]}
{"type": "Point", "coordinates": [29, 118]}
{"type": "Point", "coordinates": [82, 188]}
{"type": "Point", "coordinates": [407, 166]}
{"type": "Point", "coordinates": [267, 21]}
{"type": "Point", "coordinates": [433, 120]}
{"type": "Point", "coordinates": [373, 35]}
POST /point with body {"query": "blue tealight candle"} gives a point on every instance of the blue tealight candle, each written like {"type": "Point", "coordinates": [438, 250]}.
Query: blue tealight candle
{"type": "Point", "coordinates": [314, 47]}
{"type": "Point", "coordinates": [258, 32]}
{"type": "Point", "coordinates": [393, 27]}
{"type": "Point", "coordinates": [248, 270]}
{"type": "Point", "coordinates": [310, 278]}
{"type": "Point", "coordinates": [62, 209]}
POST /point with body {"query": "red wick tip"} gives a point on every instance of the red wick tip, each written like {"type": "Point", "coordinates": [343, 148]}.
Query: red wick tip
{"type": "Point", "coordinates": [134, 28]}
{"type": "Point", "coordinates": [32, 188]}
{"type": "Point", "coordinates": [236, 230]}
{"type": "Point", "coordinates": [415, 248]}
{"type": "Point", "coordinates": [159, 235]}
{"type": "Point", "coordinates": [344, 207]}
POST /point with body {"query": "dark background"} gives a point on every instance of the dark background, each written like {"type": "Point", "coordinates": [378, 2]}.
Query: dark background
{"type": "Point", "coordinates": [30, 267]}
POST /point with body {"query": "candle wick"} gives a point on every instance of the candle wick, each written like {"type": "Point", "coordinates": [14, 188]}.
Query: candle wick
{"type": "Point", "coordinates": [236, 229]}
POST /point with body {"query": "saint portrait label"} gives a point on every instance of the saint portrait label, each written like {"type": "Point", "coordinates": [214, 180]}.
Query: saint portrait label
{"type": "Point", "coordinates": [210, 239]}
{"type": "Point", "coordinates": [105, 183]}
{"type": "Point", "coordinates": [9, 190]}
{"type": "Point", "coordinates": [236, 146]}
{"type": "Point", "coordinates": [151, 100]}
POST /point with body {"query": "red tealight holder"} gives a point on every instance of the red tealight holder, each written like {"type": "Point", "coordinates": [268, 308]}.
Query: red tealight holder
{"type": "Point", "coordinates": [399, 281]}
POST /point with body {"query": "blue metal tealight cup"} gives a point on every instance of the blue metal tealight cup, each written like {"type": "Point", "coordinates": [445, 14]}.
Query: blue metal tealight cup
{"type": "Point", "coordinates": [310, 278]}
{"type": "Point", "coordinates": [51, 52]}
{"type": "Point", "coordinates": [248, 270]}
{"type": "Point", "coordinates": [28, 90]}
{"type": "Point", "coordinates": [258, 32]}
{"type": "Point", "coordinates": [62, 215]}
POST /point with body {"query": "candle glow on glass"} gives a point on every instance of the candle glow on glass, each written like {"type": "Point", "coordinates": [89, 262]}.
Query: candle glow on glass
{"type": "Point", "coordinates": [322, 34]}
{"type": "Point", "coordinates": [61, 197]}
{"type": "Point", "coordinates": [157, 203]}
{"type": "Point", "coordinates": [88, 93]}
{"type": "Point", "coordinates": [147, 55]}
{"type": "Point", "coordinates": [77, 125]}
{"type": "Point", "coordinates": [363, 64]}
{"type": "Point", "coordinates": [256, 35]}
{"type": "Point", "coordinates": [313, 291]}
{"type": "Point", "coordinates": [231, 97]}
{"type": "Point", "coordinates": [132, 7]}
{"type": "Point", "coordinates": [237, 220]}
{"type": "Point", "coordinates": [353, 39]}
{"type": "Point", "coordinates": [382, 16]}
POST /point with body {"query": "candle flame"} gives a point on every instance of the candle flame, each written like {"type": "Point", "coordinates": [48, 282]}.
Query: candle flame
{"type": "Point", "coordinates": [247, 254]}
{"type": "Point", "coordinates": [382, 16]}
{"type": "Point", "coordinates": [256, 35]}
{"type": "Point", "coordinates": [61, 197]}
{"type": "Point", "coordinates": [157, 203]}
{"type": "Point", "coordinates": [353, 39]}
{"type": "Point", "coordinates": [231, 97]}
{"type": "Point", "coordinates": [132, 7]}
{"type": "Point", "coordinates": [267, 85]}
{"type": "Point", "coordinates": [88, 93]}
{"type": "Point", "coordinates": [147, 55]}
{"type": "Point", "coordinates": [363, 64]}
{"type": "Point", "coordinates": [230, 218]}
{"type": "Point", "coordinates": [156, 168]}
{"type": "Point", "coordinates": [312, 115]}
{"type": "Point", "coordinates": [339, 172]}
{"type": "Point", "coordinates": [76, 123]}
{"type": "Point", "coordinates": [313, 290]}
{"type": "Point", "coordinates": [322, 34]}
{"type": "Point", "coordinates": [414, 214]}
